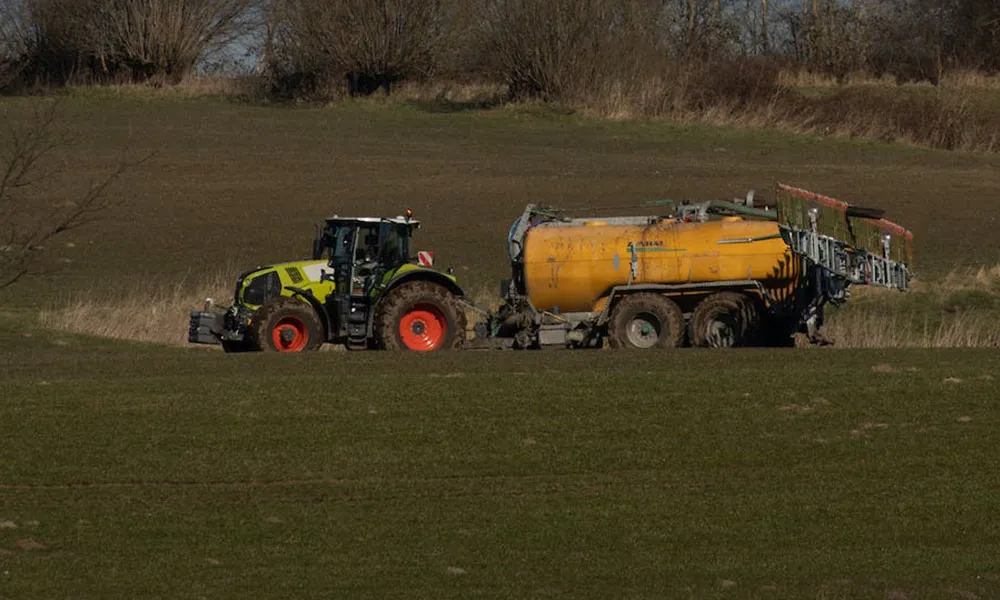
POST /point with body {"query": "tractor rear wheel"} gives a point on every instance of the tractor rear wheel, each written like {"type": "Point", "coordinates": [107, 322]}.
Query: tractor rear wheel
{"type": "Point", "coordinates": [420, 316]}
{"type": "Point", "coordinates": [646, 320]}
{"type": "Point", "coordinates": [286, 325]}
{"type": "Point", "coordinates": [724, 320]}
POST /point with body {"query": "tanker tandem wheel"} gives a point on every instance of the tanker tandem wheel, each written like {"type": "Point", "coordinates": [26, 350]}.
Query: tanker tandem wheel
{"type": "Point", "coordinates": [646, 320]}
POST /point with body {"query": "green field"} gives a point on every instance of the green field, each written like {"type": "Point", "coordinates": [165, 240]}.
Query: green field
{"type": "Point", "coordinates": [140, 470]}
{"type": "Point", "coordinates": [152, 472]}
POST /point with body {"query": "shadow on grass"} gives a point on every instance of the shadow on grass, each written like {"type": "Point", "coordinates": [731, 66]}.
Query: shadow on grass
{"type": "Point", "coordinates": [447, 106]}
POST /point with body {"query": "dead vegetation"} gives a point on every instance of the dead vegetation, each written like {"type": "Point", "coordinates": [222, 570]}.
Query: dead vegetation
{"type": "Point", "coordinates": [881, 329]}
{"type": "Point", "coordinates": [60, 42]}
{"type": "Point", "coordinates": [157, 311]}
{"type": "Point", "coordinates": [151, 311]}
{"type": "Point", "coordinates": [959, 311]}
{"type": "Point", "coordinates": [317, 48]}
{"type": "Point", "coordinates": [755, 95]}
{"type": "Point", "coordinates": [818, 67]}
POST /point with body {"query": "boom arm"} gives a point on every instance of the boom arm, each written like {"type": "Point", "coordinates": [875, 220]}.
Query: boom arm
{"type": "Point", "coordinates": [829, 234]}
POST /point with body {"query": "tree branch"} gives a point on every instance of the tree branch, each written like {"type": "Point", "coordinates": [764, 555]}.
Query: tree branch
{"type": "Point", "coordinates": [32, 216]}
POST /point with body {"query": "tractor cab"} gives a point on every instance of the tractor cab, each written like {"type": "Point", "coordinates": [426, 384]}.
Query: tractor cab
{"type": "Point", "coordinates": [366, 240]}
{"type": "Point", "coordinates": [364, 254]}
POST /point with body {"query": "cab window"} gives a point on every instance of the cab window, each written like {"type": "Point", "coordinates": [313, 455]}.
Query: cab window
{"type": "Point", "coordinates": [395, 250]}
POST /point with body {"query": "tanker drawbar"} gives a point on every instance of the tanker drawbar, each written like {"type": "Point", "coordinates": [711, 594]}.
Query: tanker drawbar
{"type": "Point", "coordinates": [713, 273]}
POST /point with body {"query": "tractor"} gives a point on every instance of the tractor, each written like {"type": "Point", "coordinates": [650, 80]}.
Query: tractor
{"type": "Point", "coordinates": [363, 288]}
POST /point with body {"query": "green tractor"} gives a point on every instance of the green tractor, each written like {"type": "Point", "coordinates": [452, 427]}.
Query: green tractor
{"type": "Point", "coordinates": [363, 288]}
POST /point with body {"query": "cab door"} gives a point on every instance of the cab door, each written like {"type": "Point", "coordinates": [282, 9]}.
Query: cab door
{"type": "Point", "coordinates": [343, 240]}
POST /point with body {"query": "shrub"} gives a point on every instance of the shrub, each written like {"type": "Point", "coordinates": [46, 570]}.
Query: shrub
{"type": "Point", "coordinates": [137, 41]}
{"type": "Point", "coordinates": [565, 49]}
{"type": "Point", "coordinates": [358, 46]}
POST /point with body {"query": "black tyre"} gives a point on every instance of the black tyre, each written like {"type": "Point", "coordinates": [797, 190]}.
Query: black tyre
{"type": "Point", "coordinates": [286, 325]}
{"type": "Point", "coordinates": [646, 320]}
{"type": "Point", "coordinates": [420, 316]}
{"type": "Point", "coordinates": [724, 320]}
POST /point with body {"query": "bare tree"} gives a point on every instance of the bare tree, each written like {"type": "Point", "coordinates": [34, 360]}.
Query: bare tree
{"type": "Point", "coordinates": [691, 17]}
{"type": "Point", "coordinates": [561, 49]}
{"type": "Point", "coordinates": [130, 40]}
{"type": "Point", "coordinates": [700, 29]}
{"type": "Point", "coordinates": [30, 215]}
{"type": "Point", "coordinates": [980, 19]}
{"type": "Point", "coordinates": [164, 38]}
{"type": "Point", "coordinates": [368, 44]}
{"type": "Point", "coordinates": [765, 42]}
{"type": "Point", "coordinates": [13, 40]}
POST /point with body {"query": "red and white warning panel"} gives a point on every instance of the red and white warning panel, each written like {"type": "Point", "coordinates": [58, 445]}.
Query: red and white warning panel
{"type": "Point", "coordinates": [425, 258]}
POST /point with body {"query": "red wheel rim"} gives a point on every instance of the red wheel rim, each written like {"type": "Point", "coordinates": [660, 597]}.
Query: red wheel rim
{"type": "Point", "coordinates": [290, 335]}
{"type": "Point", "coordinates": [423, 328]}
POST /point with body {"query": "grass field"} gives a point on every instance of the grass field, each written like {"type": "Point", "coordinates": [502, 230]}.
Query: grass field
{"type": "Point", "coordinates": [142, 470]}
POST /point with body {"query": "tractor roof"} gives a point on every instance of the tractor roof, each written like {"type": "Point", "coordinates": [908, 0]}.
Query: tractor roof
{"type": "Point", "coordinates": [398, 220]}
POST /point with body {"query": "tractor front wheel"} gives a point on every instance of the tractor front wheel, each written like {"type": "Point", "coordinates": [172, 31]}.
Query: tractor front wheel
{"type": "Point", "coordinates": [287, 325]}
{"type": "Point", "coordinates": [420, 316]}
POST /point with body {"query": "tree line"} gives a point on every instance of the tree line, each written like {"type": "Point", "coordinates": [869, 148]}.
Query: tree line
{"type": "Point", "coordinates": [538, 48]}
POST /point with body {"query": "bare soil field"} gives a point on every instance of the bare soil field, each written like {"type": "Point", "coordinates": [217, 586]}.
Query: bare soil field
{"type": "Point", "coordinates": [231, 186]}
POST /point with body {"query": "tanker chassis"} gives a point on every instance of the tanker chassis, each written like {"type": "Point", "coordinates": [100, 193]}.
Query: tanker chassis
{"type": "Point", "coordinates": [711, 274]}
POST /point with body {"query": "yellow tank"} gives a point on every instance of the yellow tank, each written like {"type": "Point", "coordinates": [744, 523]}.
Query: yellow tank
{"type": "Point", "coordinates": [571, 267]}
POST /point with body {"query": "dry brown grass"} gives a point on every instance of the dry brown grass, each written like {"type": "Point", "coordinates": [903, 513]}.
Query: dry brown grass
{"type": "Point", "coordinates": [963, 113]}
{"type": "Point", "coordinates": [876, 329]}
{"type": "Point", "coordinates": [153, 311]}
{"type": "Point", "coordinates": [199, 85]}
{"type": "Point", "coordinates": [805, 78]}
{"type": "Point", "coordinates": [960, 79]}
{"type": "Point", "coordinates": [754, 96]}
{"type": "Point", "coordinates": [485, 297]}
{"type": "Point", "coordinates": [157, 311]}
{"type": "Point", "coordinates": [945, 119]}
{"type": "Point", "coordinates": [191, 87]}
{"type": "Point", "coordinates": [959, 311]}
{"type": "Point", "coordinates": [954, 116]}
{"type": "Point", "coordinates": [962, 310]}
{"type": "Point", "coordinates": [970, 80]}
{"type": "Point", "coordinates": [759, 98]}
{"type": "Point", "coordinates": [473, 93]}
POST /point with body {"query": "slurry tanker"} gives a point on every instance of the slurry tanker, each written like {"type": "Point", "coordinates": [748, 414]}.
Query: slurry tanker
{"type": "Point", "coordinates": [709, 274]}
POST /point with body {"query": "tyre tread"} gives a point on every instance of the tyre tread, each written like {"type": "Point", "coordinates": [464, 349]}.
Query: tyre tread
{"type": "Point", "coordinates": [264, 318]}
{"type": "Point", "coordinates": [734, 302]}
{"type": "Point", "coordinates": [392, 307]}
{"type": "Point", "coordinates": [664, 308]}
